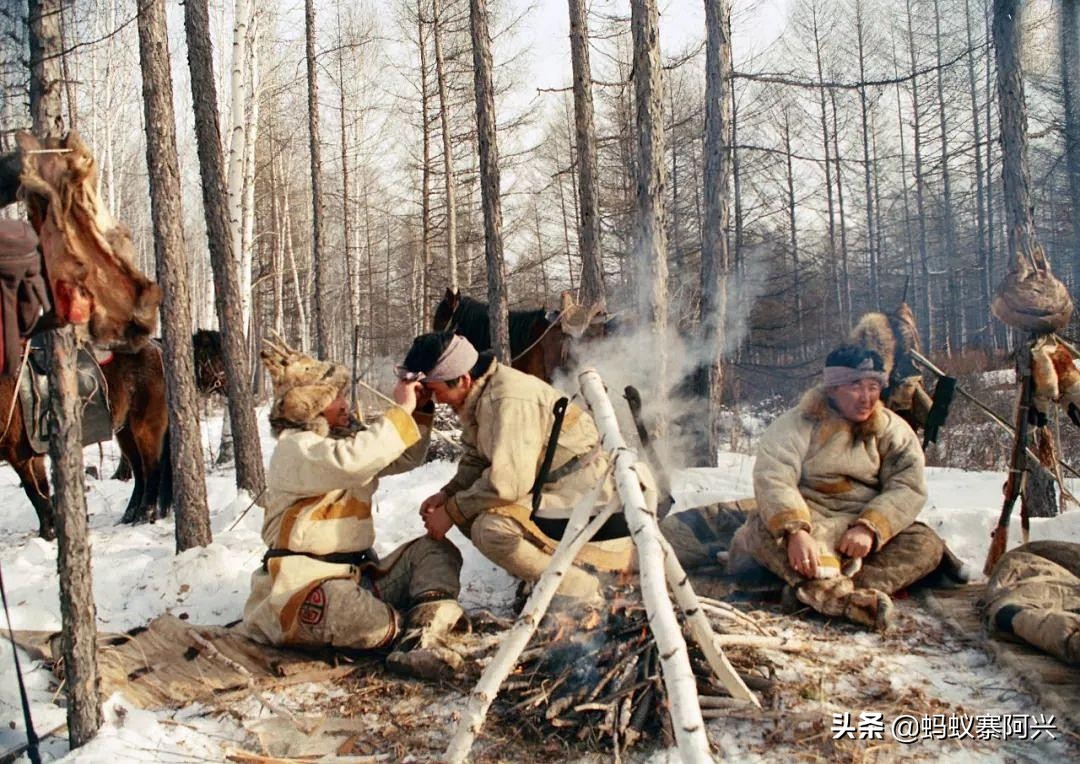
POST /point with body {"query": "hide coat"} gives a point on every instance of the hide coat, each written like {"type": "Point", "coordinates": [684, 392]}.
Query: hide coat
{"type": "Point", "coordinates": [506, 422]}
{"type": "Point", "coordinates": [319, 502]}
{"type": "Point", "coordinates": [819, 472]}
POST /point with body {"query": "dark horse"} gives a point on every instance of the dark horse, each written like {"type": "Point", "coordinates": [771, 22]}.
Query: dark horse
{"type": "Point", "coordinates": [537, 342]}
{"type": "Point", "coordinates": [140, 420]}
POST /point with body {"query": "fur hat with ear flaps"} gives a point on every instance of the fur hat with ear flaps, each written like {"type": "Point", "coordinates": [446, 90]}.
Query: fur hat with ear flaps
{"type": "Point", "coordinates": [303, 386]}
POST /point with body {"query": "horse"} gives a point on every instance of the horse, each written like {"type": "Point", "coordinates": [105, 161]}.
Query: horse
{"type": "Point", "coordinates": [538, 344]}
{"type": "Point", "coordinates": [140, 421]}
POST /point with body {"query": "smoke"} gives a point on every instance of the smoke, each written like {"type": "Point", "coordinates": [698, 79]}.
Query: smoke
{"type": "Point", "coordinates": [631, 356]}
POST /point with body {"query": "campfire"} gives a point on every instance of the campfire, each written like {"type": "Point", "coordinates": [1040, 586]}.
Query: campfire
{"type": "Point", "coordinates": [598, 682]}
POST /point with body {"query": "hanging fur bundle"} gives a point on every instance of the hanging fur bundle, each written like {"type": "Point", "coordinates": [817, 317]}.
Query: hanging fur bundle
{"type": "Point", "coordinates": [1031, 298]}
{"type": "Point", "coordinates": [1056, 378]}
{"type": "Point", "coordinates": [892, 338]}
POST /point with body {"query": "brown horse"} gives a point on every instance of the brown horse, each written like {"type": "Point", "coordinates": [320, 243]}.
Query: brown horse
{"type": "Point", "coordinates": [537, 341]}
{"type": "Point", "coordinates": [140, 419]}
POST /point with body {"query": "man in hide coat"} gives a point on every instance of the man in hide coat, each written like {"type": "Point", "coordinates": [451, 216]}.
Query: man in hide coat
{"type": "Point", "coordinates": [506, 419]}
{"type": "Point", "coordinates": [320, 583]}
{"type": "Point", "coordinates": [1034, 595]}
{"type": "Point", "coordinates": [838, 484]}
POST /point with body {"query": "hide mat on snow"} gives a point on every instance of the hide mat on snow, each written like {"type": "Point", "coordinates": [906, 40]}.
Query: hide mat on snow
{"type": "Point", "coordinates": [171, 663]}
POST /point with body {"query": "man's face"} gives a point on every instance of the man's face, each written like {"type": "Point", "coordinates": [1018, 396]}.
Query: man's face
{"type": "Point", "coordinates": [337, 413]}
{"type": "Point", "coordinates": [454, 397]}
{"type": "Point", "coordinates": [855, 401]}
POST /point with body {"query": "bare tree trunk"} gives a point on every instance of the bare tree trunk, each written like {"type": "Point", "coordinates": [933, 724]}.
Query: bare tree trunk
{"type": "Point", "coordinates": [234, 181]}
{"type": "Point", "coordinates": [565, 223]}
{"type": "Point", "coordinates": [1070, 79]}
{"type": "Point", "coordinates": [650, 239]}
{"type": "Point", "coordinates": [319, 264]}
{"type": "Point", "coordinates": [871, 253]}
{"type": "Point", "coordinates": [925, 319]}
{"type": "Point", "coordinates": [951, 253]}
{"type": "Point", "coordinates": [981, 251]}
{"type": "Point", "coordinates": [185, 437]}
{"type": "Point", "coordinates": [592, 270]}
{"type": "Point", "coordinates": [498, 305]}
{"type": "Point", "coordinates": [77, 611]}
{"type": "Point", "coordinates": [1012, 109]}
{"type": "Point", "coordinates": [346, 213]}
{"type": "Point", "coordinates": [845, 265]}
{"type": "Point", "coordinates": [247, 209]}
{"type": "Point", "coordinates": [278, 257]}
{"type": "Point", "coordinates": [447, 145]}
{"type": "Point", "coordinates": [828, 168]}
{"type": "Point", "coordinates": [424, 308]}
{"type": "Point", "coordinates": [793, 232]}
{"type": "Point", "coordinates": [1001, 333]}
{"type": "Point", "coordinates": [249, 465]}
{"type": "Point", "coordinates": [715, 260]}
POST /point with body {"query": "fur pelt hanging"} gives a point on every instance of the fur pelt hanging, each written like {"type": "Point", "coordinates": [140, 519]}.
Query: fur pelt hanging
{"type": "Point", "coordinates": [1031, 298]}
{"type": "Point", "coordinates": [1056, 378]}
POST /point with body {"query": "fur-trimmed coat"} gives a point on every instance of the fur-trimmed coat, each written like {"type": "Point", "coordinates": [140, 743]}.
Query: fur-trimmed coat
{"type": "Point", "coordinates": [505, 425]}
{"type": "Point", "coordinates": [817, 471]}
{"type": "Point", "coordinates": [318, 501]}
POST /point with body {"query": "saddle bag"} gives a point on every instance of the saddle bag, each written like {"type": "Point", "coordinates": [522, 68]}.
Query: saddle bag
{"type": "Point", "coordinates": [24, 291]}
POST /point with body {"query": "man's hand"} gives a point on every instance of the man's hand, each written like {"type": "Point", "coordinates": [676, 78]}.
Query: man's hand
{"type": "Point", "coordinates": [406, 393]}
{"type": "Point", "coordinates": [435, 501]}
{"type": "Point", "coordinates": [802, 553]}
{"type": "Point", "coordinates": [857, 541]}
{"type": "Point", "coordinates": [437, 521]}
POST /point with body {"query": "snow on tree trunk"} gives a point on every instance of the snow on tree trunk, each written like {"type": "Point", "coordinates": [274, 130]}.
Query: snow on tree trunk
{"type": "Point", "coordinates": [185, 437]}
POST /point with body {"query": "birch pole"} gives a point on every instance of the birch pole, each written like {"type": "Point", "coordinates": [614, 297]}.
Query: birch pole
{"type": "Point", "coordinates": [235, 178]}
{"type": "Point", "coordinates": [686, 720]}
{"type": "Point", "coordinates": [577, 534]}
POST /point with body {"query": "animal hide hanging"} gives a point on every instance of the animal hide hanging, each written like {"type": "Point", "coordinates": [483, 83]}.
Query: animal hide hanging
{"type": "Point", "coordinates": [1031, 298]}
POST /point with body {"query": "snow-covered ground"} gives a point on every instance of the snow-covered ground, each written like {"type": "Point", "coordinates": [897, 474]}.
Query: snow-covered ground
{"type": "Point", "coordinates": [137, 577]}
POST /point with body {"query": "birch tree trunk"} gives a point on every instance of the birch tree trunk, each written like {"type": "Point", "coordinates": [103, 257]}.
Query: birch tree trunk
{"type": "Point", "coordinates": [845, 265]}
{"type": "Point", "coordinates": [318, 262]}
{"type": "Point", "coordinates": [650, 219]}
{"type": "Point", "coordinates": [1070, 79]}
{"type": "Point", "coordinates": [498, 303]}
{"type": "Point", "coordinates": [871, 254]}
{"type": "Point", "coordinates": [77, 611]}
{"type": "Point", "coordinates": [234, 181]}
{"type": "Point", "coordinates": [715, 261]}
{"type": "Point", "coordinates": [793, 235]}
{"type": "Point", "coordinates": [447, 146]}
{"type": "Point", "coordinates": [249, 465]}
{"type": "Point", "coordinates": [828, 165]}
{"type": "Point", "coordinates": [251, 134]}
{"type": "Point", "coordinates": [346, 213]}
{"type": "Point", "coordinates": [592, 269]}
{"type": "Point", "coordinates": [185, 437]}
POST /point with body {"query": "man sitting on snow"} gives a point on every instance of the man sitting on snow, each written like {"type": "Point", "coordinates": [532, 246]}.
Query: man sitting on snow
{"type": "Point", "coordinates": [838, 483]}
{"type": "Point", "coordinates": [320, 583]}
{"type": "Point", "coordinates": [506, 420]}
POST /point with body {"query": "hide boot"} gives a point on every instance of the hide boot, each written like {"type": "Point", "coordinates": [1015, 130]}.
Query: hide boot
{"type": "Point", "coordinates": [838, 596]}
{"type": "Point", "coordinates": [422, 651]}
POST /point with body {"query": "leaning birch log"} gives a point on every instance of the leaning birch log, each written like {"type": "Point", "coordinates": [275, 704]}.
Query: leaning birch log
{"type": "Point", "coordinates": [686, 721]}
{"type": "Point", "coordinates": [579, 530]}
{"type": "Point", "coordinates": [700, 627]}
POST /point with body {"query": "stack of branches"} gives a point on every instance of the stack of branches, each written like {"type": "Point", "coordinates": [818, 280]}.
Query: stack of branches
{"type": "Point", "coordinates": [598, 684]}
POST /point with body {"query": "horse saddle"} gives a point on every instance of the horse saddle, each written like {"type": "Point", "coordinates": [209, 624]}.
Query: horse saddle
{"type": "Point", "coordinates": [93, 397]}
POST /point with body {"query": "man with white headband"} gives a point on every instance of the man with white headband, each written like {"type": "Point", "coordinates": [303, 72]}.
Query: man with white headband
{"type": "Point", "coordinates": [838, 483]}
{"type": "Point", "coordinates": [506, 420]}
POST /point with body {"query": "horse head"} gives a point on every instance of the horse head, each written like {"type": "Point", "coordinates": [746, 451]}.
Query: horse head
{"type": "Point", "coordinates": [88, 254]}
{"type": "Point", "coordinates": [445, 310]}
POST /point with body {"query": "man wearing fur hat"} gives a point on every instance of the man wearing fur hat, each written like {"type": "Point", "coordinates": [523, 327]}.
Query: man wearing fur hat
{"type": "Point", "coordinates": [320, 583]}
{"type": "Point", "coordinates": [506, 420]}
{"type": "Point", "coordinates": [838, 483]}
